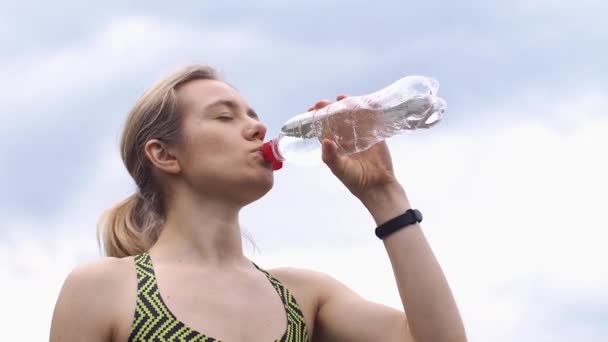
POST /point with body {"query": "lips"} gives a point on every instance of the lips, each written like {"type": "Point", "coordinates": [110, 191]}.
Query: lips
{"type": "Point", "coordinates": [263, 161]}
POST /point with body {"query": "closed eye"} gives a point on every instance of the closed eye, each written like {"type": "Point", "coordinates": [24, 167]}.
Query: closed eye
{"type": "Point", "coordinates": [225, 118]}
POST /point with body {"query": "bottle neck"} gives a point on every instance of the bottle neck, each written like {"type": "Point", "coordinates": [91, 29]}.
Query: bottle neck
{"type": "Point", "coordinates": [274, 147]}
{"type": "Point", "coordinates": [270, 151]}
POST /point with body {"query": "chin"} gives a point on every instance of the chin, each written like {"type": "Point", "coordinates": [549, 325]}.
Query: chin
{"type": "Point", "coordinates": [254, 190]}
{"type": "Point", "coordinates": [266, 188]}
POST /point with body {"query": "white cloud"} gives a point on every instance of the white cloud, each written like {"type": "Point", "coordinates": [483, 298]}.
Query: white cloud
{"type": "Point", "coordinates": [509, 205]}
{"type": "Point", "coordinates": [33, 270]}
{"type": "Point", "coordinates": [130, 48]}
{"type": "Point", "coordinates": [125, 47]}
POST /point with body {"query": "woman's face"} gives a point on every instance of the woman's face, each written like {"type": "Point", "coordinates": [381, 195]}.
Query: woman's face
{"type": "Point", "coordinates": [222, 139]}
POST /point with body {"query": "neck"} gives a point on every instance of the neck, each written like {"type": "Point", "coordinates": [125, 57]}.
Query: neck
{"type": "Point", "coordinates": [202, 233]}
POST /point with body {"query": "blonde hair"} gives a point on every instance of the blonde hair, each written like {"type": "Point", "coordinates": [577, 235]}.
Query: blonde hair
{"type": "Point", "coordinates": [134, 224]}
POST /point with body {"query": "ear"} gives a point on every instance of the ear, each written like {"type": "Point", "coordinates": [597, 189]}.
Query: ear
{"type": "Point", "coordinates": [162, 156]}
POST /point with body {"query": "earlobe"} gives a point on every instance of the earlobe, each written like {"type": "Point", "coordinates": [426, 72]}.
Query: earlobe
{"type": "Point", "coordinates": [159, 154]}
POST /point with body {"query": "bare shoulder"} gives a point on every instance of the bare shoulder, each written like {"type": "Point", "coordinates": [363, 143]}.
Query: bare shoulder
{"type": "Point", "coordinates": [102, 278]}
{"type": "Point", "coordinates": [321, 284]}
{"type": "Point", "coordinates": [91, 297]}
{"type": "Point", "coordinates": [341, 314]}
{"type": "Point", "coordinates": [107, 270]}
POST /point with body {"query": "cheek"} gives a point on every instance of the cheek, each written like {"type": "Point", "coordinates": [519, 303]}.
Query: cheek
{"type": "Point", "coordinates": [210, 154]}
{"type": "Point", "coordinates": [204, 147]}
{"type": "Point", "coordinates": [209, 162]}
{"type": "Point", "coordinates": [212, 162]}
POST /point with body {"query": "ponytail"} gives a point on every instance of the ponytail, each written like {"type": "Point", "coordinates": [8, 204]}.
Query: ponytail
{"type": "Point", "coordinates": [129, 228]}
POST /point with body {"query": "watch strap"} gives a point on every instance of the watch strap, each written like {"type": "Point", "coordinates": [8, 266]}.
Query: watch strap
{"type": "Point", "coordinates": [411, 216]}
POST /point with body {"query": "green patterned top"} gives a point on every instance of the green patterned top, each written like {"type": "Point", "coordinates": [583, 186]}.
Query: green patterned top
{"type": "Point", "coordinates": [154, 322]}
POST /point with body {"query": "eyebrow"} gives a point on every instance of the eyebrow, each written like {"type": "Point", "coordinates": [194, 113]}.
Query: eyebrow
{"type": "Point", "coordinates": [233, 106]}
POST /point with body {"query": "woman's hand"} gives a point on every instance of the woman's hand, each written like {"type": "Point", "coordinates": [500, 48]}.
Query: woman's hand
{"type": "Point", "coordinates": [368, 175]}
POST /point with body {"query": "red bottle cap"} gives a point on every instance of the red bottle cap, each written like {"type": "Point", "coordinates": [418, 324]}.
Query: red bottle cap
{"type": "Point", "coordinates": [270, 157]}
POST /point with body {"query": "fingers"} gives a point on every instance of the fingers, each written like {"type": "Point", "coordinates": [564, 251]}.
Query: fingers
{"type": "Point", "coordinates": [319, 105]}
{"type": "Point", "coordinates": [341, 97]}
{"type": "Point", "coordinates": [323, 103]}
{"type": "Point", "coordinates": [329, 154]}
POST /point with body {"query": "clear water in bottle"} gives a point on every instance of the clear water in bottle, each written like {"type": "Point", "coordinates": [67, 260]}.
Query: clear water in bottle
{"type": "Point", "coordinates": [357, 123]}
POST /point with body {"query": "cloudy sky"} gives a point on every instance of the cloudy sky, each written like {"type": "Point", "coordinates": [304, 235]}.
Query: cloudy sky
{"type": "Point", "coordinates": [512, 183]}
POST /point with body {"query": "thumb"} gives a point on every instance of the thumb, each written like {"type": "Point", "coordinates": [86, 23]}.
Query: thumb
{"type": "Point", "coordinates": [330, 154]}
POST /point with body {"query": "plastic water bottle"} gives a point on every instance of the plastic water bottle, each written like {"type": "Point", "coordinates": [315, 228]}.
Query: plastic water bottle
{"type": "Point", "coordinates": [356, 123]}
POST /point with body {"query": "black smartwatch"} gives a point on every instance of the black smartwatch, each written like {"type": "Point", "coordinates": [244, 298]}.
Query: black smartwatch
{"type": "Point", "coordinates": [410, 217]}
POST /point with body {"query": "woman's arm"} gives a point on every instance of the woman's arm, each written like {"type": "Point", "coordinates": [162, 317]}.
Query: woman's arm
{"type": "Point", "coordinates": [427, 299]}
{"type": "Point", "coordinates": [431, 311]}
{"type": "Point", "coordinates": [432, 314]}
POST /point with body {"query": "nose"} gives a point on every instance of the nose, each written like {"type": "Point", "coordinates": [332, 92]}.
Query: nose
{"type": "Point", "coordinates": [257, 131]}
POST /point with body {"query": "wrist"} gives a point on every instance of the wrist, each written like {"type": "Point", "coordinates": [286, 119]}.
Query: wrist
{"type": "Point", "coordinates": [386, 203]}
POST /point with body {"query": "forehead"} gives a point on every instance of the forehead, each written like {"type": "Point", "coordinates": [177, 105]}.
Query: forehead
{"type": "Point", "coordinates": [199, 94]}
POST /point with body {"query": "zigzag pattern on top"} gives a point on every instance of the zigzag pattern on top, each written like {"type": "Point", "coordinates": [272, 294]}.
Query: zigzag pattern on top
{"type": "Point", "coordinates": [154, 322]}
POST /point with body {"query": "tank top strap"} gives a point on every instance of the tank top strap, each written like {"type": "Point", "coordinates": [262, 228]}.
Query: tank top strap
{"type": "Point", "coordinates": [296, 325]}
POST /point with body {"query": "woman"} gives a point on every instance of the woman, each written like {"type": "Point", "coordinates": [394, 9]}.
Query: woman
{"type": "Point", "coordinates": [176, 270]}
